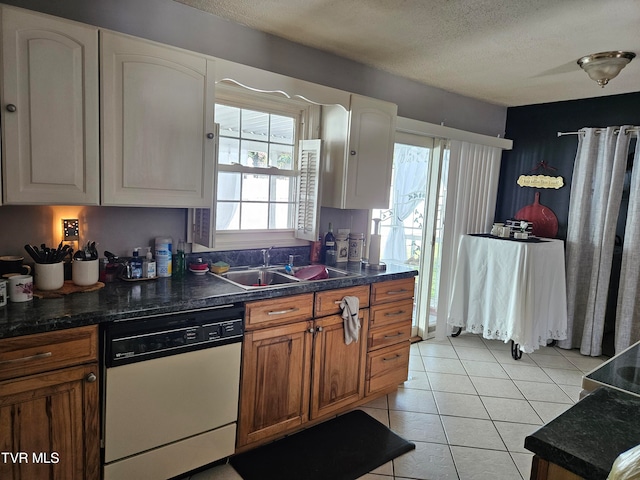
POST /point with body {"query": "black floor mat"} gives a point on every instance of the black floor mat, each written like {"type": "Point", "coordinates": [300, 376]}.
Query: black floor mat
{"type": "Point", "coordinates": [343, 448]}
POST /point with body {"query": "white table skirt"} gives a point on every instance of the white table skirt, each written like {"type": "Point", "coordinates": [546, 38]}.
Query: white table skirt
{"type": "Point", "coordinates": [510, 290]}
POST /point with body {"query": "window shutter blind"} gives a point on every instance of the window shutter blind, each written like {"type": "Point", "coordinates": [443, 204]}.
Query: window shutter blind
{"type": "Point", "coordinates": [203, 227]}
{"type": "Point", "coordinates": [203, 230]}
{"type": "Point", "coordinates": [308, 190]}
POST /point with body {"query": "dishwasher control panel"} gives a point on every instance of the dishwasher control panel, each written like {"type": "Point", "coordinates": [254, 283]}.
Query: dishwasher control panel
{"type": "Point", "coordinates": [153, 337]}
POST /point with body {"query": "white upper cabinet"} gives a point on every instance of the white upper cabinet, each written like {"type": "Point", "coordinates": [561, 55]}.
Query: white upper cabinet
{"type": "Point", "coordinates": [358, 153]}
{"type": "Point", "coordinates": [157, 110]}
{"type": "Point", "coordinates": [49, 111]}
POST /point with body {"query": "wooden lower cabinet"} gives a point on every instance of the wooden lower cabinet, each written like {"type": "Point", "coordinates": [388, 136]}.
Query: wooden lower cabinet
{"type": "Point", "coordinates": [389, 335]}
{"type": "Point", "coordinates": [274, 388]}
{"type": "Point", "coordinates": [49, 422]}
{"type": "Point", "coordinates": [541, 469]}
{"type": "Point", "coordinates": [338, 369]}
{"type": "Point", "coordinates": [296, 373]}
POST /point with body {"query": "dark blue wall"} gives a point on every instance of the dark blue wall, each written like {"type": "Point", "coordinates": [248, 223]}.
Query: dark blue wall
{"type": "Point", "coordinates": [533, 129]}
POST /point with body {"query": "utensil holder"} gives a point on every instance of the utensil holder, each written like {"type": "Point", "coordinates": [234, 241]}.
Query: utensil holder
{"type": "Point", "coordinates": [49, 276]}
{"type": "Point", "coordinates": [85, 272]}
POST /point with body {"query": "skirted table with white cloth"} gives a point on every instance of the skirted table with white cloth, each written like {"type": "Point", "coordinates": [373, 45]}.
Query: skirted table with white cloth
{"type": "Point", "coordinates": [510, 290]}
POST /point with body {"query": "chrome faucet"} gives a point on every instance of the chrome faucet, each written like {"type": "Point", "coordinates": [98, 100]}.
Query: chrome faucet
{"type": "Point", "coordinates": [266, 256]}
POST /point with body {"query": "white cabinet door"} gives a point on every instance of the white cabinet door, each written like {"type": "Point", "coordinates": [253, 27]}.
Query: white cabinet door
{"type": "Point", "coordinates": [50, 146]}
{"type": "Point", "coordinates": [157, 109]}
{"type": "Point", "coordinates": [358, 154]}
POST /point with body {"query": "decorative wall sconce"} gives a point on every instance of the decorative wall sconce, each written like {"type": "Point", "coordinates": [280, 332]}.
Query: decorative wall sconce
{"type": "Point", "coordinates": [602, 67]}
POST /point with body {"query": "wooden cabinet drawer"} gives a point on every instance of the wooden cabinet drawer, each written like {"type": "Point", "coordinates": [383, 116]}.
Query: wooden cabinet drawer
{"type": "Point", "coordinates": [328, 302]}
{"type": "Point", "coordinates": [277, 311]}
{"type": "Point", "coordinates": [43, 352]}
{"type": "Point", "coordinates": [387, 313]}
{"type": "Point", "coordinates": [387, 367]}
{"type": "Point", "coordinates": [392, 290]}
{"type": "Point", "coordinates": [389, 335]}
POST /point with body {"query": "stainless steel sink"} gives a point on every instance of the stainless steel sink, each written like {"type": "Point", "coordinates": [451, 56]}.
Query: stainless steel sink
{"type": "Point", "coordinates": [272, 277]}
{"type": "Point", "coordinates": [333, 273]}
{"type": "Point", "coordinates": [258, 278]}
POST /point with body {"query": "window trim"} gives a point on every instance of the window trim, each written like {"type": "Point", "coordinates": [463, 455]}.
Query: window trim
{"type": "Point", "coordinates": [307, 126]}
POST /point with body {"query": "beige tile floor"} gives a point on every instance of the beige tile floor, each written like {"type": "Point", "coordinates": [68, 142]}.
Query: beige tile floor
{"type": "Point", "coordinates": [468, 405]}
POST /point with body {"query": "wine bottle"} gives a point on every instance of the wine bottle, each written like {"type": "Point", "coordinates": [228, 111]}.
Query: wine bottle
{"type": "Point", "coordinates": [330, 247]}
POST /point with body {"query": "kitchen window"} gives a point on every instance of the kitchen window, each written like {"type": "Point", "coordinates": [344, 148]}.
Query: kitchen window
{"type": "Point", "coordinates": [259, 174]}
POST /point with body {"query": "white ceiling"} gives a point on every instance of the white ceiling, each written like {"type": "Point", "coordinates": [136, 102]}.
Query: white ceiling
{"type": "Point", "coordinates": [506, 52]}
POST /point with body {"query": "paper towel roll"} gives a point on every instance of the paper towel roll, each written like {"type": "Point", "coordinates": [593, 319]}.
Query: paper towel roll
{"type": "Point", "coordinates": [374, 249]}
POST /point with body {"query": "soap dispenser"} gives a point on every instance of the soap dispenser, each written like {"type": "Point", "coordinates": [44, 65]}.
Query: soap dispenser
{"type": "Point", "coordinates": [136, 264]}
{"type": "Point", "coordinates": [149, 265]}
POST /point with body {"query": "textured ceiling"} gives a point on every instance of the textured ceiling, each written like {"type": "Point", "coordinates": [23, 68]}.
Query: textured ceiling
{"type": "Point", "coordinates": [506, 52]}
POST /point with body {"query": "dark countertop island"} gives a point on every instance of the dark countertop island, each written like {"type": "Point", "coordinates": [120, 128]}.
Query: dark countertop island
{"type": "Point", "coordinates": [129, 300]}
{"type": "Point", "coordinates": [587, 438]}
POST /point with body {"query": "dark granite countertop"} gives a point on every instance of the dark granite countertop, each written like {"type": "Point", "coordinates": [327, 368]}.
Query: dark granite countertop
{"type": "Point", "coordinates": [621, 372]}
{"type": "Point", "coordinates": [587, 438]}
{"type": "Point", "coordinates": [129, 300]}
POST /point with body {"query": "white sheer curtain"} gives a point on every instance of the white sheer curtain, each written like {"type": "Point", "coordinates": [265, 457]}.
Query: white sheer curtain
{"type": "Point", "coordinates": [628, 309]}
{"type": "Point", "coordinates": [411, 167]}
{"type": "Point", "coordinates": [596, 193]}
{"type": "Point", "coordinates": [471, 189]}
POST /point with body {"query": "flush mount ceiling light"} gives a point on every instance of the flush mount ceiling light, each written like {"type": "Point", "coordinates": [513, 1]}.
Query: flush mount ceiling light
{"type": "Point", "coordinates": [604, 66]}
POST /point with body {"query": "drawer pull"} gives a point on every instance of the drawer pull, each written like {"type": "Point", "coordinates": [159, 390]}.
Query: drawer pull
{"type": "Point", "coordinates": [395, 314]}
{"type": "Point", "coordinates": [282, 312]}
{"type": "Point", "coordinates": [395, 357]}
{"type": "Point", "coordinates": [399, 334]}
{"type": "Point", "coordinates": [37, 356]}
{"type": "Point", "coordinates": [397, 292]}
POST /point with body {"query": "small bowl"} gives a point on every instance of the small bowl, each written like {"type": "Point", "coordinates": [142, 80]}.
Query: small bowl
{"type": "Point", "coordinates": [199, 272]}
{"type": "Point", "coordinates": [199, 267]}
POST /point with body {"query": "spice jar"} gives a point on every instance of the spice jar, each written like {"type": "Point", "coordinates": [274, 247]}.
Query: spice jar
{"type": "Point", "coordinates": [356, 244]}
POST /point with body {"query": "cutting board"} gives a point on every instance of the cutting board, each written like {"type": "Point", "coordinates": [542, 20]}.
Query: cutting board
{"type": "Point", "coordinates": [545, 222]}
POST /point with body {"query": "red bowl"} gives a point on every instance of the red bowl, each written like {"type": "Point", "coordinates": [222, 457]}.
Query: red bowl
{"type": "Point", "coordinates": [198, 266]}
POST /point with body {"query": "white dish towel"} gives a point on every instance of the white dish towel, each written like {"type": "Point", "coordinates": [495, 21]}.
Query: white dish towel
{"type": "Point", "coordinates": [350, 306]}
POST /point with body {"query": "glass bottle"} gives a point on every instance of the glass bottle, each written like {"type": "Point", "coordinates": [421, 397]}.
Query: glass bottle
{"type": "Point", "coordinates": [330, 247]}
{"type": "Point", "coordinates": [179, 260]}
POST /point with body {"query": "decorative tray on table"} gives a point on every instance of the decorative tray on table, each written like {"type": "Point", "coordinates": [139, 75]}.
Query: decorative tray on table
{"type": "Point", "coordinates": [530, 239]}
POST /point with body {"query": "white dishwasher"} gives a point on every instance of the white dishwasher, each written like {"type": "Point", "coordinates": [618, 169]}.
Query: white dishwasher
{"type": "Point", "coordinates": [171, 386]}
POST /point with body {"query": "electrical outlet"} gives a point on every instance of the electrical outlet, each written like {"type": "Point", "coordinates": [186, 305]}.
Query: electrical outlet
{"type": "Point", "coordinates": [70, 229]}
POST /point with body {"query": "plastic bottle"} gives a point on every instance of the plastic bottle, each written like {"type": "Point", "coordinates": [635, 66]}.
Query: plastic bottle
{"type": "Point", "coordinates": [136, 264]}
{"type": "Point", "coordinates": [148, 265]}
{"type": "Point", "coordinates": [330, 247]}
{"type": "Point", "coordinates": [163, 256]}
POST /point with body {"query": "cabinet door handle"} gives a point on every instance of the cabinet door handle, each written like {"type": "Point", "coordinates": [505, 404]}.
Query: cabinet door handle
{"type": "Point", "coordinates": [11, 108]}
{"type": "Point", "coordinates": [399, 334]}
{"type": "Point", "coordinates": [394, 314]}
{"type": "Point", "coordinates": [282, 312]}
{"type": "Point", "coordinates": [91, 377]}
{"type": "Point", "coordinates": [396, 292]}
{"type": "Point", "coordinates": [37, 356]}
{"type": "Point", "coordinates": [209, 136]}
{"type": "Point", "coordinates": [395, 357]}
{"type": "Point", "coordinates": [352, 152]}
